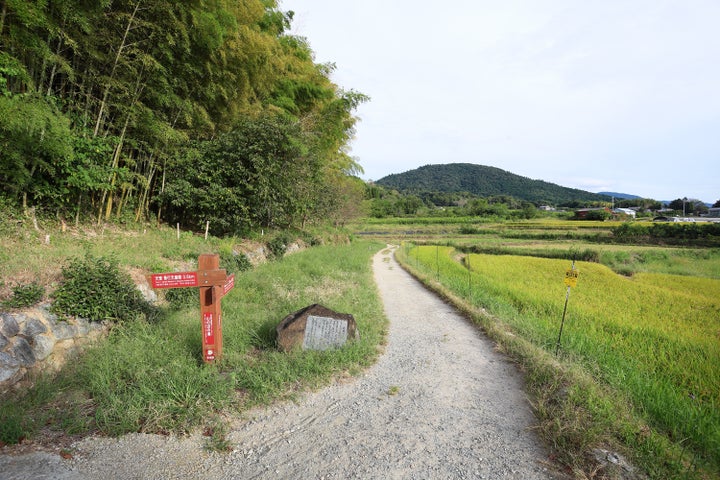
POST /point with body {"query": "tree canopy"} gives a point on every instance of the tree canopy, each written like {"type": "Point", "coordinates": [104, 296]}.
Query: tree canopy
{"type": "Point", "coordinates": [116, 109]}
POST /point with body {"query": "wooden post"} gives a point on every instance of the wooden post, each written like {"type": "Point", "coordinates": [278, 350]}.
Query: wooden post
{"type": "Point", "coordinates": [210, 314]}
{"type": "Point", "coordinates": [213, 284]}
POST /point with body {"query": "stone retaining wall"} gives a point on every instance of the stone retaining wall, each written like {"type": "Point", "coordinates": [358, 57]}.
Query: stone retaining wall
{"type": "Point", "coordinates": [35, 340]}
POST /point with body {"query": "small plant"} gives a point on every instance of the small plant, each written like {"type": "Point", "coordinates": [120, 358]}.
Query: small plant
{"type": "Point", "coordinates": [25, 295]}
{"type": "Point", "coordinates": [12, 425]}
{"type": "Point", "coordinates": [278, 245]}
{"type": "Point", "coordinates": [311, 239]}
{"type": "Point", "coordinates": [234, 262]}
{"type": "Point", "coordinates": [216, 432]}
{"type": "Point", "coordinates": [96, 289]}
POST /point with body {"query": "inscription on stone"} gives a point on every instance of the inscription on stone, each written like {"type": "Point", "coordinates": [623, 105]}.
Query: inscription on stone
{"type": "Point", "coordinates": [316, 327]}
{"type": "Point", "coordinates": [323, 333]}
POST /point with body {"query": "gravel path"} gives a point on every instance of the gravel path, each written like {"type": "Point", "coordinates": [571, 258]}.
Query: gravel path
{"type": "Point", "coordinates": [440, 403]}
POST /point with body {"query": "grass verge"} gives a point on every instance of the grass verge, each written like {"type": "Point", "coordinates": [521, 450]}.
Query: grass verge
{"type": "Point", "coordinates": [149, 377]}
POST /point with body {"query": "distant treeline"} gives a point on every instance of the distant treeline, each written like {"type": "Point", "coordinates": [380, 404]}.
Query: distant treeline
{"type": "Point", "coordinates": [179, 111]}
{"type": "Point", "coordinates": [478, 190]}
{"type": "Point", "coordinates": [700, 233]}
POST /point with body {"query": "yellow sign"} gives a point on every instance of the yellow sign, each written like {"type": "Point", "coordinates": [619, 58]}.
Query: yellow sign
{"type": "Point", "coordinates": [571, 277]}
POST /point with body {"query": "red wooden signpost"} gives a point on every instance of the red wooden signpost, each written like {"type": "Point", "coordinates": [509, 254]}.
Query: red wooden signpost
{"type": "Point", "coordinates": [214, 283]}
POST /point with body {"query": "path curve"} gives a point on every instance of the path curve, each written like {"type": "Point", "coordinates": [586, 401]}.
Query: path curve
{"type": "Point", "coordinates": [439, 403]}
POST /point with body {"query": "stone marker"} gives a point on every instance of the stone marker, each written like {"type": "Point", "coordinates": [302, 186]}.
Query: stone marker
{"type": "Point", "coordinates": [315, 328]}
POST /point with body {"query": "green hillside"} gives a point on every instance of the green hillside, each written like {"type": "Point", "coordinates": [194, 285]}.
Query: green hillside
{"type": "Point", "coordinates": [485, 181]}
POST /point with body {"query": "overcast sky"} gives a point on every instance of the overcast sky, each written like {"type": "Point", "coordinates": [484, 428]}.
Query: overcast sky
{"type": "Point", "coordinates": [612, 95]}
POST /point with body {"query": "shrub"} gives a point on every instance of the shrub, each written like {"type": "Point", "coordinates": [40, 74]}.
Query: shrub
{"type": "Point", "coordinates": [706, 233]}
{"type": "Point", "coordinates": [234, 262]}
{"type": "Point", "coordinates": [25, 295]}
{"type": "Point", "coordinates": [311, 239]}
{"type": "Point", "coordinates": [278, 245]}
{"type": "Point", "coordinates": [96, 289]}
{"type": "Point", "coordinates": [628, 230]}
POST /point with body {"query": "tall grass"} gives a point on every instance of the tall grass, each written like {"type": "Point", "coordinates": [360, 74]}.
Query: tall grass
{"type": "Point", "coordinates": [151, 378]}
{"type": "Point", "coordinates": [652, 339]}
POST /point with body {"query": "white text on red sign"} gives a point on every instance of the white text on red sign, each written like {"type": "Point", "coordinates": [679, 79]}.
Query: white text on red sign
{"type": "Point", "coordinates": [229, 284]}
{"type": "Point", "coordinates": [175, 280]}
{"type": "Point", "coordinates": [208, 328]}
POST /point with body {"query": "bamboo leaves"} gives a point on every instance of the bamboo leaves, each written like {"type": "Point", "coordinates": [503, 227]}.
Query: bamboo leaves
{"type": "Point", "coordinates": [142, 86]}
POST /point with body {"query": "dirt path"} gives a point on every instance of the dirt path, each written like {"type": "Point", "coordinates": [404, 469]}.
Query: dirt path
{"type": "Point", "coordinates": [440, 403]}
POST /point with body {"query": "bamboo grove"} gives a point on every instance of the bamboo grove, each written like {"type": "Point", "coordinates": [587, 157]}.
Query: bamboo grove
{"type": "Point", "coordinates": [192, 111]}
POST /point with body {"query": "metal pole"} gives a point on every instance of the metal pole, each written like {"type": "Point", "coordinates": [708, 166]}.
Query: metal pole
{"type": "Point", "coordinates": [562, 322]}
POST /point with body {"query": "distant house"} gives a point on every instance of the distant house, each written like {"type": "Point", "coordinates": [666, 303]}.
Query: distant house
{"type": "Point", "coordinates": [713, 212]}
{"type": "Point", "coordinates": [625, 211]}
{"type": "Point", "coordinates": [547, 208]}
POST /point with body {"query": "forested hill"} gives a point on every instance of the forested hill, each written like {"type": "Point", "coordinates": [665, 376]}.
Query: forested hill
{"type": "Point", "coordinates": [484, 181]}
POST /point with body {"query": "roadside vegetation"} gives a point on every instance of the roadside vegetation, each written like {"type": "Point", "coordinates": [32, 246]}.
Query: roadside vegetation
{"type": "Point", "coordinates": [148, 374]}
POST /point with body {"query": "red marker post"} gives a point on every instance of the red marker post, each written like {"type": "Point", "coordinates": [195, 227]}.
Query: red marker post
{"type": "Point", "coordinates": [213, 283]}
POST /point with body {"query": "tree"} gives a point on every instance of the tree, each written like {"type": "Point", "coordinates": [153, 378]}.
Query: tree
{"type": "Point", "coordinates": [678, 204]}
{"type": "Point", "coordinates": [249, 177]}
{"type": "Point", "coordinates": [123, 95]}
{"type": "Point", "coordinates": [528, 210]}
{"type": "Point", "coordinates": [35, 150]}
{"type": "Point", "coordinates": [598, 215]}
{"type": "Point", "coordinates": [350, 204]}
{"type": "Point", "coordinates": [688, 206]}
{"type": "Point", "coordinates": [641, 203]}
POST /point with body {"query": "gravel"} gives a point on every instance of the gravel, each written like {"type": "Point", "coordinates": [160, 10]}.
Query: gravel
{"type": "Point", "coordinates": [439, 403]}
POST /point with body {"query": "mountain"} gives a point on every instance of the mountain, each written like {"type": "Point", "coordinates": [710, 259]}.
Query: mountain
{"type": "Point", "coordinates": [484, 181]}
{"type": "Point", "coordinates": [621, 196]}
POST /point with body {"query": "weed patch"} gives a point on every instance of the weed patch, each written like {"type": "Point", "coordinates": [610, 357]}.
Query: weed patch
{"type": "Point", "coordinates": [96, 289]}
{"type": "Point", "coordinates": [25, 295]}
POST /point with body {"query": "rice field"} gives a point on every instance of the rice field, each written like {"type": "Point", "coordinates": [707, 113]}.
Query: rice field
{"type": "Point", "coordinates": [654, 338]}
